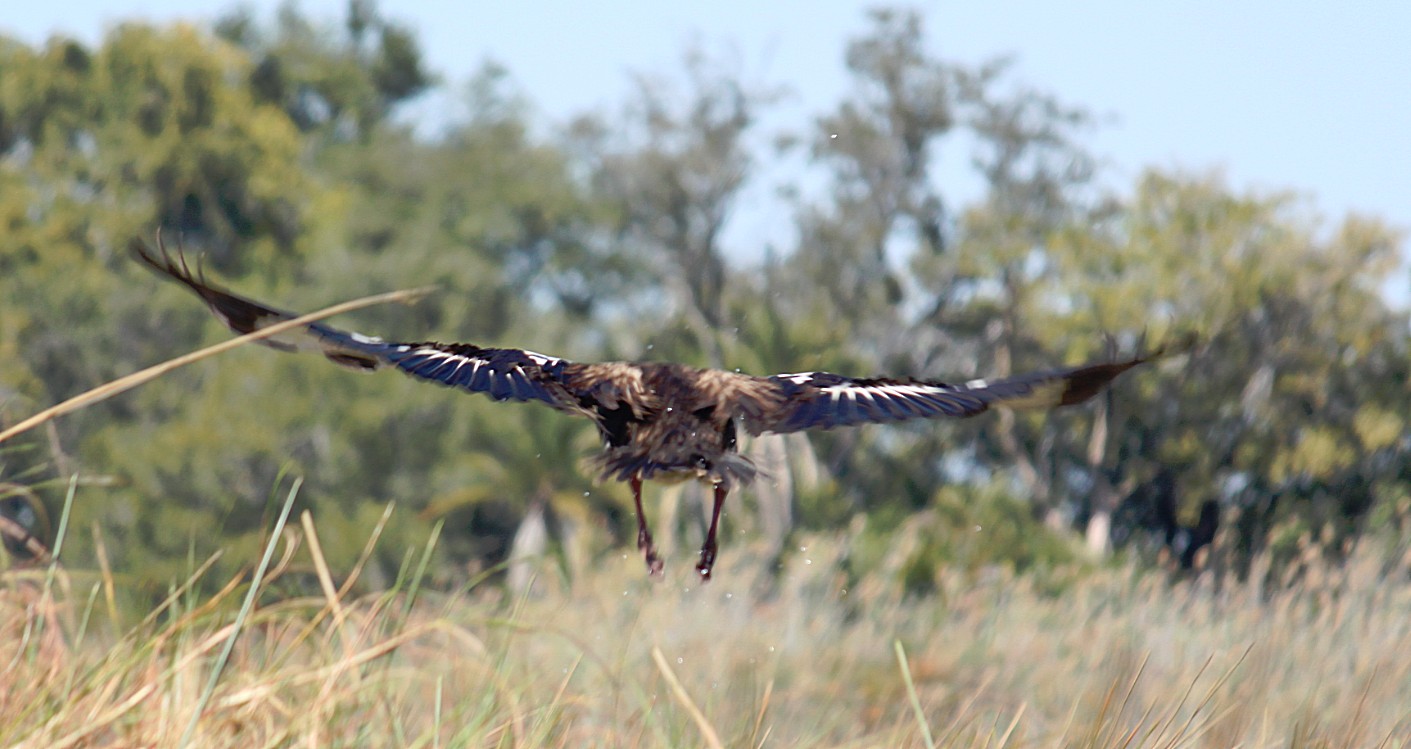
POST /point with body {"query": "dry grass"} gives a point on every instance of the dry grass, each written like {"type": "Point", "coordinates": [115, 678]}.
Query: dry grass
{"type": "Point", "coordinates": [1119, 660]}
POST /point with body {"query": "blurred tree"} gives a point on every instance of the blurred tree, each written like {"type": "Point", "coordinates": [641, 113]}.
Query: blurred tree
{"type": "Point", "coordinates": [101, 145]}
{"type": "Point", "coordinates": [274, 153]}
{"type": "Point", "coordinates": [881, 148]}
{"type": "Point", "coordinates": [844, 290]}
{"type": "Point", "coordinates": [164, 128]}
{"type": "Point", "coordinates": [340, 83]}
{"type": "Point", "coordinates": [989, 291]}
{"type": "Point", "coordinates": [672, 167]}
{"type": "Point", "coordinates": [1291, 415]}
{"type": "Point", "coordinates": [911, 290]}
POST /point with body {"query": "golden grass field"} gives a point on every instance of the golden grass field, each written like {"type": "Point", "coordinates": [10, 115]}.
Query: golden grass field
{"type": "Point", "coordinates": [1106, 658]}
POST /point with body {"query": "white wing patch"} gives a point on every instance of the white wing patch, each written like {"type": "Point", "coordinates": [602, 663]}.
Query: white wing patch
{"type": "Point", "coordinates": [897, 390]}
{"type": "Point", "coordinates": [542, 360]}
{"type": "Point", "coordinates": [827, 400]}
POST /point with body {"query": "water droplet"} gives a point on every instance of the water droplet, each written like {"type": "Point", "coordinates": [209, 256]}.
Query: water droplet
{"type": "Point", "coordinates": [808, 561]}
{"type": "Point", "coordinates": [679, 661]}
{"type": "Point", "coordinates": [977, 529]}
{"type": "Point", "coordinates": [833, 136]}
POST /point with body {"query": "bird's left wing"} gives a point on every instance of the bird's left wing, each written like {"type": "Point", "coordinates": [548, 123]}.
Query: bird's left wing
{"type": "Point", "coordinates": [822, 400]}
{"type": "Point", "coordinates": [501, 373]}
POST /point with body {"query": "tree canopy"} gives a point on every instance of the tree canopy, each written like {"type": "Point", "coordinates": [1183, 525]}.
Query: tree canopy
{"type": "Point", "coordinates": [273, 151]}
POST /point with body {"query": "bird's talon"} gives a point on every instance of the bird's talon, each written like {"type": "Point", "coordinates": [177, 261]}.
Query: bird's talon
{"type": "Point", "coordinates": [706, 564]}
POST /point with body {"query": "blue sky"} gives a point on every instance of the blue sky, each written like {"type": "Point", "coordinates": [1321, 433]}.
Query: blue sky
{"type": "Point", "coordinates": [1311, 96]}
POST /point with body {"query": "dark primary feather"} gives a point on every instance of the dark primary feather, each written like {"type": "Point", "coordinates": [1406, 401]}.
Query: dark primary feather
{"type": "Point", "coordinates": [240, 314]}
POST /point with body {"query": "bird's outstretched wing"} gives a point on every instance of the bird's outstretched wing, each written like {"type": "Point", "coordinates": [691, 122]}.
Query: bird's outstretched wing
{"type": "Point", "coordinates": [822, 400]}
{"type": "Point", "coordinates": [503, 374]}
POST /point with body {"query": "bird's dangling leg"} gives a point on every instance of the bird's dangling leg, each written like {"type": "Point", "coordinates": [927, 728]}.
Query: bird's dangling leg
{"type": "Point", "coordinates": [709, 547]}
{"type": "Point", "coordinates": [644, 536]}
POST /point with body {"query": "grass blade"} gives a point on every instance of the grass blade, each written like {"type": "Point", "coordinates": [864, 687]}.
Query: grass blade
{"type": "Point", "coordinates": [245, 608]}
{"type": "Point", "coordinates": [128, 382]}
{"type": "Point", "coordinates": [712, 739]}
{"type": "Point", "coordinates": [911, 694]}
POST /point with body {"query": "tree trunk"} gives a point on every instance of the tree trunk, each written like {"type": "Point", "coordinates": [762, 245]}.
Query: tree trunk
{"type": "Point", "coordinates": [1102, 497]}
{"type": "Point", "coordinates": [774, 490]}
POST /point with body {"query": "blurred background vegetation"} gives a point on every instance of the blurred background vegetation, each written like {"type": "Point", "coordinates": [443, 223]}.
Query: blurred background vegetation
{"type": "Point", "coordinates": [273, 149]}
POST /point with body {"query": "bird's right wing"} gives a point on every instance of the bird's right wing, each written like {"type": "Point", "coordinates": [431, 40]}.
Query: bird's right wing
{"type": "Point", "coordinates": [501, 373]}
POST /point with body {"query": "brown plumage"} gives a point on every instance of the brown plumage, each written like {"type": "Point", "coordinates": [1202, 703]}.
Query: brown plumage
{"type": "Point", "coordinates": [659, 420]}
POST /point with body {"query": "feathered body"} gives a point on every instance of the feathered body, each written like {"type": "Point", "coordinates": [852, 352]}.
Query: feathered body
{"type": "Point", "coordinates": [660, 420]}
{"type": "Point", "coordinates": [679, 430]}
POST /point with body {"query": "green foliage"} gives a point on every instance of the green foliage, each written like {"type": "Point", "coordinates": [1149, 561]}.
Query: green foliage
{"type": "Point", "coordinates": [340, 83]}
{"type": "Point", "coordinates": [272, 152]}
{"type": "Point", "coordinates": [1311, 360]}
{"type": "Point", "coordinates": [102, 145]}
{"type": "Point", "coordinates": [171, 135]}
{"type": "Point", "coordinates": [980, 530]}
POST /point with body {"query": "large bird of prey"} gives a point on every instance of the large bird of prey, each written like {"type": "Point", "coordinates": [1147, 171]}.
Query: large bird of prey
{"type": "Point", "coordinates": [659, 420]}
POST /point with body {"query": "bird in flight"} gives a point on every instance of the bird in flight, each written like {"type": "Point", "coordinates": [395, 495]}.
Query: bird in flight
{"type": "Point", "coordinates": [658, 420]}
